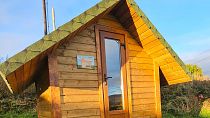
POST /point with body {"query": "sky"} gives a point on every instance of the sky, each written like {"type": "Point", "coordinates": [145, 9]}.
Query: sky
{"type": "Point", "coordinates": [185, 24]}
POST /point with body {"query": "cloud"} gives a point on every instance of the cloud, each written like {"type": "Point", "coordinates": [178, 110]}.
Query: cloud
{"type": "Point", "coordinates": [194, 48]}
{"type": "Point", "coordinates": [192, 45]}
{"type": "Point", "coordinates": [202, 59]}
{"type": "Point", "coordinates": [192, 41]}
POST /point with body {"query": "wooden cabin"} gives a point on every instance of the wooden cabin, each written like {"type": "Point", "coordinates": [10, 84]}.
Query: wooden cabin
{"type": "Point", "coordinates": [108, 62]}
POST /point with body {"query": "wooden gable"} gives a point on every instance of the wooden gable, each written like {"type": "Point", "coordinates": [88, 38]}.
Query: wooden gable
{"type": "Point", "coordinates": [136, 22]}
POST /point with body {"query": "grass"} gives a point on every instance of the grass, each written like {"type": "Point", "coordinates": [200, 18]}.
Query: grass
{"type": "Point", "coordinates": [29, 114]}
{"type": "Point", "coordinates": [168, 115]}
{"type": "Point", "coordinates": [205, 113]}
{"type": "Point", "coordinates": [33, 114]}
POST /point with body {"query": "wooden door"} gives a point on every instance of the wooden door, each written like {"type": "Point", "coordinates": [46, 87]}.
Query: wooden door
{"type": "Point", "coordinates": [114, 75]}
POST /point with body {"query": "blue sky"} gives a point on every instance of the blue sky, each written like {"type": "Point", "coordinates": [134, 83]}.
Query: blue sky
{"type": "Point", "coordinates": [184, 24]}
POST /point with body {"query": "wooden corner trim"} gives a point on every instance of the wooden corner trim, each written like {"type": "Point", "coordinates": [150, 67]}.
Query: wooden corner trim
{"type": "Point", "coordinates": [53, 73]}
{"type": "Point", "coordinates": [157, 90]}
{"type": "Point", "coordinates": [54, 86]}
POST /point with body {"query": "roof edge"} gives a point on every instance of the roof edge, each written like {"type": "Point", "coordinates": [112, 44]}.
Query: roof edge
{"type": "Point", "coordinates": [33, 50]}
{"type": "Point", "coordinates": [158, 35]}
{"type": "Point", "coordinates": [2, 76]}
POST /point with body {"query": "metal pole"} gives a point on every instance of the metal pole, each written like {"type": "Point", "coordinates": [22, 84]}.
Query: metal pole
{"type": "Point", "coordinates": [45, 17]}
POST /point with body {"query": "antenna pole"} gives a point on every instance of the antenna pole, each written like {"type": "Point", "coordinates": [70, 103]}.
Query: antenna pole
{"type": "Point", "coordinates": [53, 18]}
{"type": "Point", "coordinates": [45, 16]}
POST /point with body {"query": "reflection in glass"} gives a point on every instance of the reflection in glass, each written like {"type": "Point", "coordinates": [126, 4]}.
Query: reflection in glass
{"type": "Point", "coordinates": [113, 66]}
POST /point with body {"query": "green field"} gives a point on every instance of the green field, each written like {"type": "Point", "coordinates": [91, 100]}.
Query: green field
{"type": "Point", "coordinates": [29, 114]}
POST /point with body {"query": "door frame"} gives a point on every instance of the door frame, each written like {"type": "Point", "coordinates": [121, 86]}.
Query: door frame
{"type": "Point", "coordinates": [121, 39]}
{"type": "Point", "coordinates": [98, 29]}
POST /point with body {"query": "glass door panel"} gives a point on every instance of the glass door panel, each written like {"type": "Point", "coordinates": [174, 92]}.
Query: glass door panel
{"type": "Point", "coordinates": [113, 74]}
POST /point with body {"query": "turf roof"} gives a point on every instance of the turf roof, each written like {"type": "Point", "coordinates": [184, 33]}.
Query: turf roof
{"type": "Point", "coordinates": [52, 39]}
{"type": "Point", "coordinates": [65, 30]}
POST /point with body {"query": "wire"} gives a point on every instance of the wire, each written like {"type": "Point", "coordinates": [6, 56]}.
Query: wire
{"type": "Point", "coordinates": [203, 59]}
{"type": "Point", "coordinates": [205, 51]}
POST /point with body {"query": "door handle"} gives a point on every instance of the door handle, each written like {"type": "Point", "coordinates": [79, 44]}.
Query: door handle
{"type": "Point", "coordinates": [106, 78]}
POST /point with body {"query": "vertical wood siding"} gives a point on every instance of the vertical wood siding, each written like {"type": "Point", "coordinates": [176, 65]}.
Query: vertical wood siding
{"type": "Point", "coordinates": [79, 87]}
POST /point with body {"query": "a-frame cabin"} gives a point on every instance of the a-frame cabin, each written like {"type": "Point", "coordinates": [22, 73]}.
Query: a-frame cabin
{"type": "Point", "coordinates": [108, 62]}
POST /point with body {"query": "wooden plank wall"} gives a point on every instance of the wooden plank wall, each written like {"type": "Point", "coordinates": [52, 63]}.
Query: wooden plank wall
{"type": "Point", "coordinates": [142, 81]}
{"type": "Point", "coordinates": [79, 87]}
{"type": "Point", "coordinates": [141, 74]}
{"type": "Point", "coordinates": [44, 104]}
